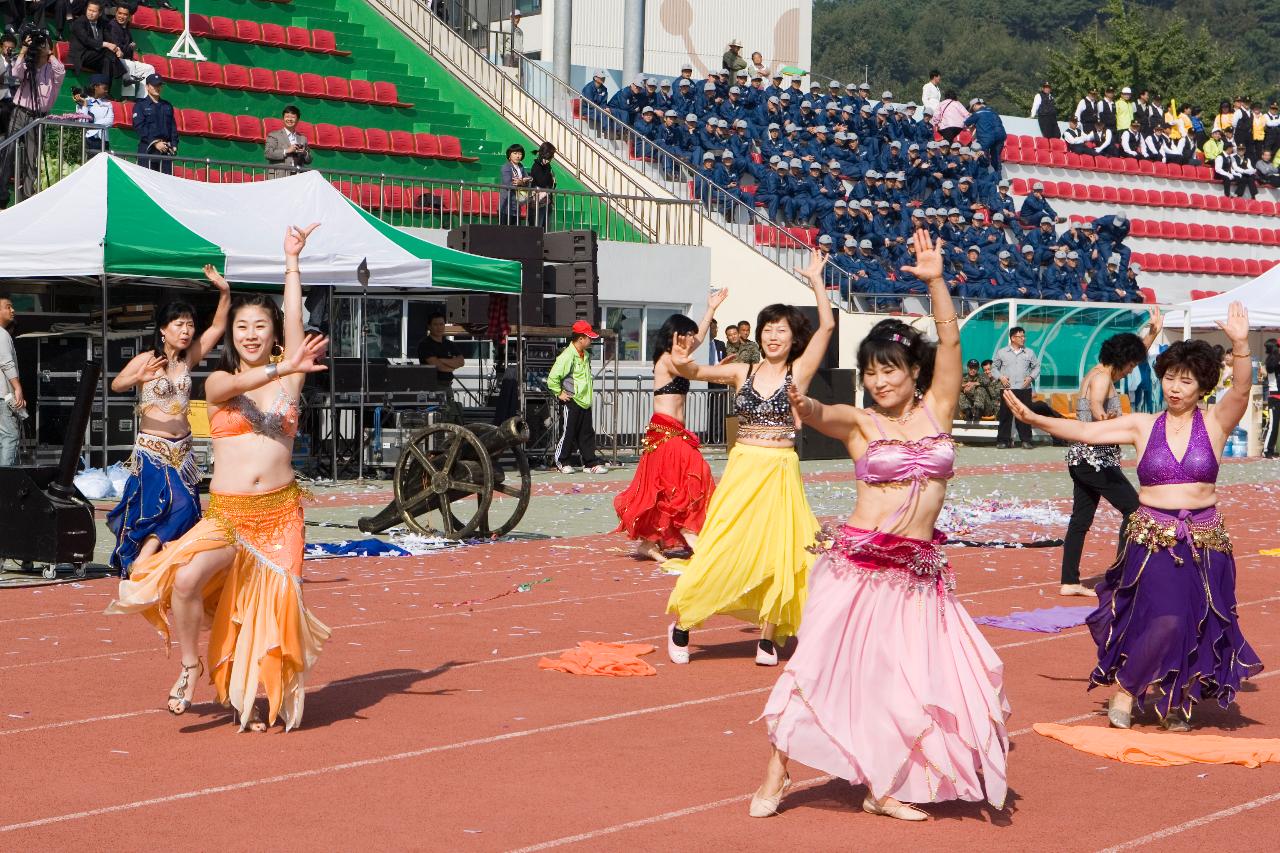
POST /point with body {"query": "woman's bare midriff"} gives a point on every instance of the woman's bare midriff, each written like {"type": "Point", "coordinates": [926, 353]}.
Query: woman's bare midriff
{"type": "Point", "coordinates": [249, 464]}
{"type": "Point", "coordinates": [671, 405]}
{"type": "Point", "coordinates": [164, 426]}
{"type": "Point", "coordinates": [1179, 496]}
{"type": "Point", "coordinates": [878, 503]}
{"type": "Point", "coordinates": [761, 442]}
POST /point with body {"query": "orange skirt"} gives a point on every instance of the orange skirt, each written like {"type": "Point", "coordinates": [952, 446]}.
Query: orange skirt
{"type": "Point", "coordinates": [260, 631]}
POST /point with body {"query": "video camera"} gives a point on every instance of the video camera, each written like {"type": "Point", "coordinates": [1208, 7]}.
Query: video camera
{"type": "Point", "coordinates": [34, 36]}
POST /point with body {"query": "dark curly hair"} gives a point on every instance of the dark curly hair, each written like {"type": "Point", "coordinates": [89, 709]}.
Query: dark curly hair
{"type": "Point", "coordinates": [676, 324]}
{"type": "Point", "coordinates": [230, 361]}
{"type": "Point", "coordinates": [882, 346]}
{"type": "Point", "coordinates": [166, 314]}
{"type": "Point", "coordinates": [1123, 349]}
{"type": "Point", "coordinates": [1195, 357]}
{"type": "Point", "coordinates": [801, 330]}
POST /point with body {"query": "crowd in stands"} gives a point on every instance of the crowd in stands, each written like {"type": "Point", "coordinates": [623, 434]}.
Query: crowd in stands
{"type": "Point", "coordinates": [866, 172]}
{"type": "Point", "coordinates": [1241, 143]}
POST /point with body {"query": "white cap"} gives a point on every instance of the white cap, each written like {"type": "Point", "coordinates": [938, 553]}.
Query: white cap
{"type": "Point", "coordinates": [1126, 91]}
{"type": "Point", "coordinates": [825, 239]}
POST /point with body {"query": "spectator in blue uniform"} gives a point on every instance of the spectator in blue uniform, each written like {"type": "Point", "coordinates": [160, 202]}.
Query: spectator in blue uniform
{"type": "Point", "coordinates": [988, 130]}
{"type": "Point", "coordinates": [1035, 207]}
{"type": "Point", "coordinates": [595, 98]}
{"type": "Point", "coordinates": [156, 126]}
{"type": "Point", "coordinates": [1112, 230]}
{"type": "Point", "coordinates": [627, 102]}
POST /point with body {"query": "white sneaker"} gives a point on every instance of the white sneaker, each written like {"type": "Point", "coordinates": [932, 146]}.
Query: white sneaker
{"type": "Point", "coordinates": [566, 469]}
{"type": "Point", "coordinates": [764, 658]}
{"type": "Point", "coordinates": [598, 469]}
{"type": "Point", "coordinates": [678, 654]}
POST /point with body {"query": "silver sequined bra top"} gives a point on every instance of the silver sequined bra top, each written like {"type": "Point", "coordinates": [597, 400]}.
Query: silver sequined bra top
{"type": "Point", "coordinates": [169, 396]}
{"type": "Point", "coordinates": [765, 419]}
{"type": "Point", "coordinates": [1097, 455]}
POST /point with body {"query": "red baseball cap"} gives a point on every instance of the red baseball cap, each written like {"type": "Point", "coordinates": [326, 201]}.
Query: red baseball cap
{"type": "Point", "coordinates": [582, 327]}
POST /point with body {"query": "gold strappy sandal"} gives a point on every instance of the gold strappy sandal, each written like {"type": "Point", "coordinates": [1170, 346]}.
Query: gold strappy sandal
{"type": "Point", "coordinates": [180, 694]}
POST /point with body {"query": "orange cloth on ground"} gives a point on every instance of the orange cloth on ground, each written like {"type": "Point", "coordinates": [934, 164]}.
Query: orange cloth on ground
{"type": "Point", "coordinates": [616, 659]}
{"type": "Point", "coordinates": [1164, 749]}
{"type": "Point", "coordinates": [260, 631]}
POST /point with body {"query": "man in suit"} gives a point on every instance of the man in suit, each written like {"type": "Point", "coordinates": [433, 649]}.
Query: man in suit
{"type": "Point", "coordinates": [91, 49]}
{"type": "Point", "coordinates": [287, 148]}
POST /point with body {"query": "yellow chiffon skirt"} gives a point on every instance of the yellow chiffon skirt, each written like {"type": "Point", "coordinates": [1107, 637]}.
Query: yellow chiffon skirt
{"type": "Point", "coordinates": [259, 631]}
{"type": "Point", "coordinates": [752, 558]}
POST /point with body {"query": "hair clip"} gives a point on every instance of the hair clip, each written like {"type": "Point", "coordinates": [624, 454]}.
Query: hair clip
{"type": "Point", "coordinates": [901, 339]}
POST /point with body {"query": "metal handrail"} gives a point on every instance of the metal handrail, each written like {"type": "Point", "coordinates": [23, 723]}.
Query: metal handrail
{"type": "Point", "coordinates": [14, 147]}
{"type": "Point", "coordinates": [590, 163]}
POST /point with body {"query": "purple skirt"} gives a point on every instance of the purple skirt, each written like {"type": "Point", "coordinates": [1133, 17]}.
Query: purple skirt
{"type": "Point", "coordinates": [1166, 616]}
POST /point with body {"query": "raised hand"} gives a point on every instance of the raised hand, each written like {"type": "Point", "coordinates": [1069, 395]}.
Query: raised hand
{"type": "Point", "coordinates": [1156, 320]}
{"type": "Point", "coordinates": [681, 354]}
{"type": "Point", "coordinates": [308, 358]}
{"type": "Point", "coordinates": [928, 265]}
{"type": "Point", "coordinates": [295, 238]}
{"type": "Point", "coordinates": [1020, 411]}
{"type": "Point", "coordinates": [211, 273]}
{"type": "Point", "coordinates": [1236, 325]}
{"type": "Point", "coordinates": [155, 367]}
{"type": "Point", "coordinates": [801, 406]}
{"type": "Point", "coordinates": [717, 298]}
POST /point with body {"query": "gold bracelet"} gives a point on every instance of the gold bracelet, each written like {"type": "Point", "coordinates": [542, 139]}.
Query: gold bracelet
{"type": "Point", "coordinates": [952, 319]}
{"type": "Point", "coordinates": [1242, 355]}
{"type": "Point", "coordinates": [288, 270]}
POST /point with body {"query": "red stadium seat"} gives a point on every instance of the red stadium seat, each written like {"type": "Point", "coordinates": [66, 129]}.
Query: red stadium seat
{"type": "Point", "coordinates": [1181, 263]}
{"type": "Point", "coordinates": [1040, 143]}
{"type": "Point", "coordinates": [442, 201]}
{"type": "Point", "coordinates": [144, 18]}
{"type": "Point", "coordinates": [426, 145]}
{"type": "Point", "coordinates": [395, 198]}
{"type": "Point", "coordinates": [271, 125]}
{"type": "Point", "coordinates": [200, 25]}
{"type": "Point", "coordinates": [222, 126]}
{"type": "Point", "coordinates": [1074, 161]}
{"type": "Point", "coordinates": [1239, 234]}
{"type": "Point", "coordinates": [1197, 295]}
{"type": "Point", "coordinates": [249, 32]}
{"type": "Point", "coordinates": [1221, 233]}
{"type": "Point", "coordinates": [249, 128]}
{"type": "Point", "coordinates": [1198, 265]}
{"type": "Point", "coordinates": [353, 138]}
{"type": "Point", "coordinates": [1253, 267]}
{"type": "Point", "coordinates": [236, 77]}
{"type": "Point", "coordinates": [182, 71]}
{"type": "Point", "coordinates": [223, 28]}
{"type": "Point", "coordinates": [1124, 195]}
{"type": "Point", "coordinates": [1166, 262]}
{"type": "Point", "coordinates": [1195, 231]}
{"type": "Point", "coordinates": [402, 142]}
{"type": "Point", "coordinates": [369, 196]}
{"type": "Point", "coordinates": [363, 92]}
{"type": "Point", "coordinates": [262, 80]}
{"type": "Point", "coordinates": [1018, 186]}
{"type": "Point", "coordinates": [1181, 231]}
{"type": "Point", "coordinates": [159, 63]}
{"type": "Point", "coordinates": [1160, 169]}
{"type": "Point", "coordinates": [1139, 227]}
{"type": "Point", "coordinates": [169, 21]}
{"type": "Point", "coordinates": [337, 88]}
{"type": "Point", "coordinates": [273, 35]}
{"type": "Point", "coordinates": [298, 37]}
{"type": "Point", "coordinates": [348, 189]}
{"type": "Point", "coordinates": [324, 42]}
{"type": "Point", "coordinates": [1096, 193]}
{"type": "Point", "coordinates": [193, 122]}
{"type": "Point", "coordinates": [1057, 159]}
{"type": "Point", "coordinates": [1111, 194]}
{"type": "Point", "coordinates": [1239, 267]}
{"type": "Point", "coordinates": [210, 74]}
{"type": "Point", "coordinates": [328, 136]}
{"type": "Point", "coordinates": [1141, 197]}
{"type": "Point", "coordinates": [1213, 266]}
{"type": "Point", "coordinates": [1057, 145]}
{"type": "Point", "coordinates": [383, 93]}
{"type": "Point", "coordinates": [1255, 206]}
{"type": "Point", "coordinates": [287, 83]}
{"type": "Point", "coordinates": [312, 84]}
{"type": "Point", "coordinates": [451, 148]}
{"type": "Point", "coordinates": [377, 141]}
{"type": "Point", "coordinates": [123, 113]}
{"type": "Point", "coordinates": [1148, 295]}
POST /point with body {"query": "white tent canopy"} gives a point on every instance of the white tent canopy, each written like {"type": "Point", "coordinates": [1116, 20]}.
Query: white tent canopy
{"type": "Point", "coordinates": [1261, 297]}
{"type": "Point", "coordinates": [115, 218]}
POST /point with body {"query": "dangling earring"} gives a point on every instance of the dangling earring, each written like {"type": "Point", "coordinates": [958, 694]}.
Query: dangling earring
{"type": "Point", "coordinates": [277, 354]}
{"type": "Point", "coordinates": [919, 395]}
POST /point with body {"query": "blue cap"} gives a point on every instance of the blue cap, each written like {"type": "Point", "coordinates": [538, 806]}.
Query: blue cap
{"type": "Point", "coordinates": [155, 80]}
{"type": "Point", "coordinates": [100, 79]}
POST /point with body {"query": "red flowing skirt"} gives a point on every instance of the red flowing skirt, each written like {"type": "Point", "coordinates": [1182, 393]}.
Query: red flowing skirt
{"type": "Point", "coordinates": [671, 489]}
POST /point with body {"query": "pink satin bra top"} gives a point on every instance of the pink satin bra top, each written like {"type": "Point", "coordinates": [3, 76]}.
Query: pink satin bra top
{"type": "Point", "coordinates": [891, 460]}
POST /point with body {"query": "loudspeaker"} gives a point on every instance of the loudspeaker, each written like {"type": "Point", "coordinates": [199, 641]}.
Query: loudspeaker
{"type": "Point", "coordinates": [563, 310]}
{"type": "Point", "coordinates": [830, 359]}
{"type": "Point", "coordinates": [510, 242]}
{"type": "Point", "coordinates": [467, 309]}
{"type": "Point", "coordinates": [567, 247]}
{"type": "Point", "coordinates": [534, 314]}
{"type": "Point", "coordinates": [829, 387]}
{"type": "Point", "coordinates": [578, 279]}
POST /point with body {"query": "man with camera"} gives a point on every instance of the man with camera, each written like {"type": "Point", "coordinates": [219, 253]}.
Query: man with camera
{"type": "Point", "coordinates": [38, 75]}
{"type": "Point", "coordinates": [157, 128]}
{"type": "Point", "coordinates": [97, 106]}
{"type": "Point", "coordinates": [287, 147]}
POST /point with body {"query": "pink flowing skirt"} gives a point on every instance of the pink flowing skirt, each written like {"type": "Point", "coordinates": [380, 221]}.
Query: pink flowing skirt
{"type": "Point", "coordinates": [892, 685]}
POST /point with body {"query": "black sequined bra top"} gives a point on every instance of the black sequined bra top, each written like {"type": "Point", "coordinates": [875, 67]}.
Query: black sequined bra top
{"type": "Point", "coordinates": [759, 418]}
{"type": "Point", "coordinates": [679, 386]}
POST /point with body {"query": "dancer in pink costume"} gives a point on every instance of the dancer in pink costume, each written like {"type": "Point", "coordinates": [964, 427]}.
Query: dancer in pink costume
{"type": "Point", "coordinates": [892, 686]}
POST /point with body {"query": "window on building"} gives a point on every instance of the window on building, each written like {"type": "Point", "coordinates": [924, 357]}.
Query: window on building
{"type": "Point", "coordinates": [637, 327]}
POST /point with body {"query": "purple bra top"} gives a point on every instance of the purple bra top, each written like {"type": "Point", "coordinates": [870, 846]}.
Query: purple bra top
{"type": "Point", "coordinates": [889, 460]}
{"type": "Point", "coordinates": [1199, 464]}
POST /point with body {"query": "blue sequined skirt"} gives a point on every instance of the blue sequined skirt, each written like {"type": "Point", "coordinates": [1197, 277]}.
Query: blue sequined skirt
{"type": "Point", "coordinates": [159, 499]}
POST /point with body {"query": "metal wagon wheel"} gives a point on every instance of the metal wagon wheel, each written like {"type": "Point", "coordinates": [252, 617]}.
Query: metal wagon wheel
{"type": "Point", "coordinates": [512, 479]}
{"type": "Point", "coordinates": [441, 469]}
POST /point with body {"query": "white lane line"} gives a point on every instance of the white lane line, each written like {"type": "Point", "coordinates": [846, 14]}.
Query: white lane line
{"type": "Point", "coordinates": [1161, 834]}
{"type": "Point", "coordinates": [371, 762]}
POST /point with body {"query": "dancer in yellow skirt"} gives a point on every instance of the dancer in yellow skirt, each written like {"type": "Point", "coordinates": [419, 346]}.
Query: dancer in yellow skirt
{"type": "Point", "coordinates": [240, 568]}
{"type": "Point", "coordinates": [753, 556]}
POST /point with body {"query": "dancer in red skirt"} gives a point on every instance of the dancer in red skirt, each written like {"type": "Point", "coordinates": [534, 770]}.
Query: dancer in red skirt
{"type": "Point", "coordinates": [667, 500]}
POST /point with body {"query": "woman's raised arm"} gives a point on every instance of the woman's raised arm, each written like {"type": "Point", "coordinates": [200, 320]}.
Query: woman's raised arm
{"type": "Point", "coordinates": [806, 365]}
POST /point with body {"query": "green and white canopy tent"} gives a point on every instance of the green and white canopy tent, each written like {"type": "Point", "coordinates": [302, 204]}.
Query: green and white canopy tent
{"type": "Point", "coordinates": [113, 218]}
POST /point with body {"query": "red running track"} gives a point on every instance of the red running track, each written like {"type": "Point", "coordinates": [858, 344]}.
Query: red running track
{"type": "Point", "coordinates": [431, 728]}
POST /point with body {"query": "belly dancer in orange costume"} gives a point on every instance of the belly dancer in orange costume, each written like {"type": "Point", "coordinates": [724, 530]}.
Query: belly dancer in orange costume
{"type": "Point", "coordinates": [240, 567]}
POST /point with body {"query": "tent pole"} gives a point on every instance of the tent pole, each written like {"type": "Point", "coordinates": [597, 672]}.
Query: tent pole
{"type": "Point", "coordinates": [106, 382]}
{"type": "Point", "coordinates": [333, 395]}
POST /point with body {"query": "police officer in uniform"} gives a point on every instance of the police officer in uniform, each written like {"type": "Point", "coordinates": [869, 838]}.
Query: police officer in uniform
{"type": "Point", "coordinates": [1045, 111]}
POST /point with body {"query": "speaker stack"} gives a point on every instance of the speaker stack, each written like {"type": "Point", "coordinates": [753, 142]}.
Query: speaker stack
{"type": "Point", "coordinates": [510, 243]}
{"type": "Point", "coordinates": [571, 279]}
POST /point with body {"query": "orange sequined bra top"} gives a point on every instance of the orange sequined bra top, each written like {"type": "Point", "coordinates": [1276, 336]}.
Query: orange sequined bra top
{"type": "Point", "coordinates": [241, 416]}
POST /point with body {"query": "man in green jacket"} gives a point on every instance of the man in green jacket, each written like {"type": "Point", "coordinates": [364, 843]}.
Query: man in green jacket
{"type": "Point", "coordinates": [1125, 110]}
{"type": "Point", "coordinates": [574, 365]}
{"type": "Point", "coordinates": [732, 58]}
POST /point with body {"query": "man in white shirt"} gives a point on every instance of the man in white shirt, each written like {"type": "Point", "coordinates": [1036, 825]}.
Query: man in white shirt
{"type": "Point", "coordinates": [287, 147]}
{"type": "Point", "coordinates": [1132, 144]}
{"type": "Point", "coordinates": [97, 106]}
{"type": "Point", "coordinates": [930, 94]}
{"type": "Point", "coordinates": [13, 402]}
{"type": "Point", "coordinates": [1075, 137]}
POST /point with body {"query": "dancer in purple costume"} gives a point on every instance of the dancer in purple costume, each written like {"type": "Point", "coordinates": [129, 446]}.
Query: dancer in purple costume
{"type": "Point", "coordinates": [1166, 619]}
